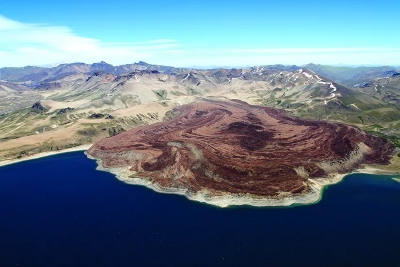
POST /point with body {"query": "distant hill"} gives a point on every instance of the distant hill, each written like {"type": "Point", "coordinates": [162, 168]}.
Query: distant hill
{"type": "Point", "coordinates": [32, 76]}
{"type": "Point", "coordinates": [387, 88]}
{"type": "Point", "coordinates": [304, 92]}
{"type": "Point", "coordinates": [352, 76]}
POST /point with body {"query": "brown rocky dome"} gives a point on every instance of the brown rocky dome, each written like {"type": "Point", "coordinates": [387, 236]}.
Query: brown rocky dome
{"type": "Point", "coordinates": [234, 147]}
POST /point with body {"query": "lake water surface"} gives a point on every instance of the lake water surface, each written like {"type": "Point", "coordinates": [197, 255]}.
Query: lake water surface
{"type": "Point", "coordinates": [60, 211]}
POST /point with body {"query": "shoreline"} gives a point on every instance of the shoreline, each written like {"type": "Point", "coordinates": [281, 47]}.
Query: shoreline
{"type": "Point", "coordinates": [224, 200]}
{"type": "Point", "coordinates": [45, 154]}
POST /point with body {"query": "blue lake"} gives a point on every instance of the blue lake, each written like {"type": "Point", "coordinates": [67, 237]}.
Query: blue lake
{"type": "Point", "coordinates": [60, 211]}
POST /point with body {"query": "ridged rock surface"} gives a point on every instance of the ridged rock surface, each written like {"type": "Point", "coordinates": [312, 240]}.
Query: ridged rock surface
{"type": "Point", "coordinates": [232, 147]}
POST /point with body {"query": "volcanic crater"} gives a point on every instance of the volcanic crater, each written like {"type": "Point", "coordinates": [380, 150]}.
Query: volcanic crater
{"type": "Point", "coordinates": [233, 148]}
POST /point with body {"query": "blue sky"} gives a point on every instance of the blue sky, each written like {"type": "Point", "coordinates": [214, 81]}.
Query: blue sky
{"type": "Point", "coordinates": [199, 33]}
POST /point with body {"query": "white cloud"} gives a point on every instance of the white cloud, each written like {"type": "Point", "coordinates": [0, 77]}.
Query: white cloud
{"type": "Point", "coordinates": [316, 50]}
{"type": "Point", "coordinates": [39, 44]}
{"type": "Point", "coordinates": [24, 44]}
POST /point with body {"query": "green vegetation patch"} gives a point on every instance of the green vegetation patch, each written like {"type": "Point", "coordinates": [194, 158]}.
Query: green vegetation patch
{"type": "Point", "coordinates": [394, 139]}
{"type": "Point", "coordinates": [161, 94]}
{"type": "Point", "coordinates": [88, 132]}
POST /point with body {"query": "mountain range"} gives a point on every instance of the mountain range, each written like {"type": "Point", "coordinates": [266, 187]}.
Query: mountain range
{"type": "Point", "coordinates": [31, 75]}
{"type": "Point", "coordinates": [85, 102]}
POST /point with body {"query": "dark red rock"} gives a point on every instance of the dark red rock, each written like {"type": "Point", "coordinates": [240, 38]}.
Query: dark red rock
{"type": "Point", "coordinates": [239, 148]}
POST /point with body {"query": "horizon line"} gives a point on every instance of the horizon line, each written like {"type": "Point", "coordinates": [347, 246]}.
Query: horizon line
{"type": "Point", "coordinates": [55, 65]}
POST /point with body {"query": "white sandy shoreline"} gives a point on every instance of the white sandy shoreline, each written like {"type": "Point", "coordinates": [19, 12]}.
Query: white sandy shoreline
{"type": "Point", "coordinates": [45, 154]}
{"type": "Point", "coordinates": [314, 196]}
{"type": "Point", "coordinates": [316, 185]}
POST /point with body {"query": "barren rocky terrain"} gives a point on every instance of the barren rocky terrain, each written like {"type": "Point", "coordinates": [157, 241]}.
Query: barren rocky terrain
{"type": "Point", "coordinates": [231, 147]}
{"type": "Point", "coordinates": [50, 109]}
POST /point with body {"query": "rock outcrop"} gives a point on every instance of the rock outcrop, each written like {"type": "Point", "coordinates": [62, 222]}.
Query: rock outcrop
{"type": "Point", "coordinates": [64, 110]}
{"type": "Point", "coordinates": [38, 107]}
{"type": "Point", "coordinates": [235, 148]}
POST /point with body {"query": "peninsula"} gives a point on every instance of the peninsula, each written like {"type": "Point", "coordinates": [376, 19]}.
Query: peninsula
{"type": "Point", "coordinates": [232, 153]}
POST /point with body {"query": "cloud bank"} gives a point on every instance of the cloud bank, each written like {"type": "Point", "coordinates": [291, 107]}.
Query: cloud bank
{"type": "Point", "coordinates": [23, 44]}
